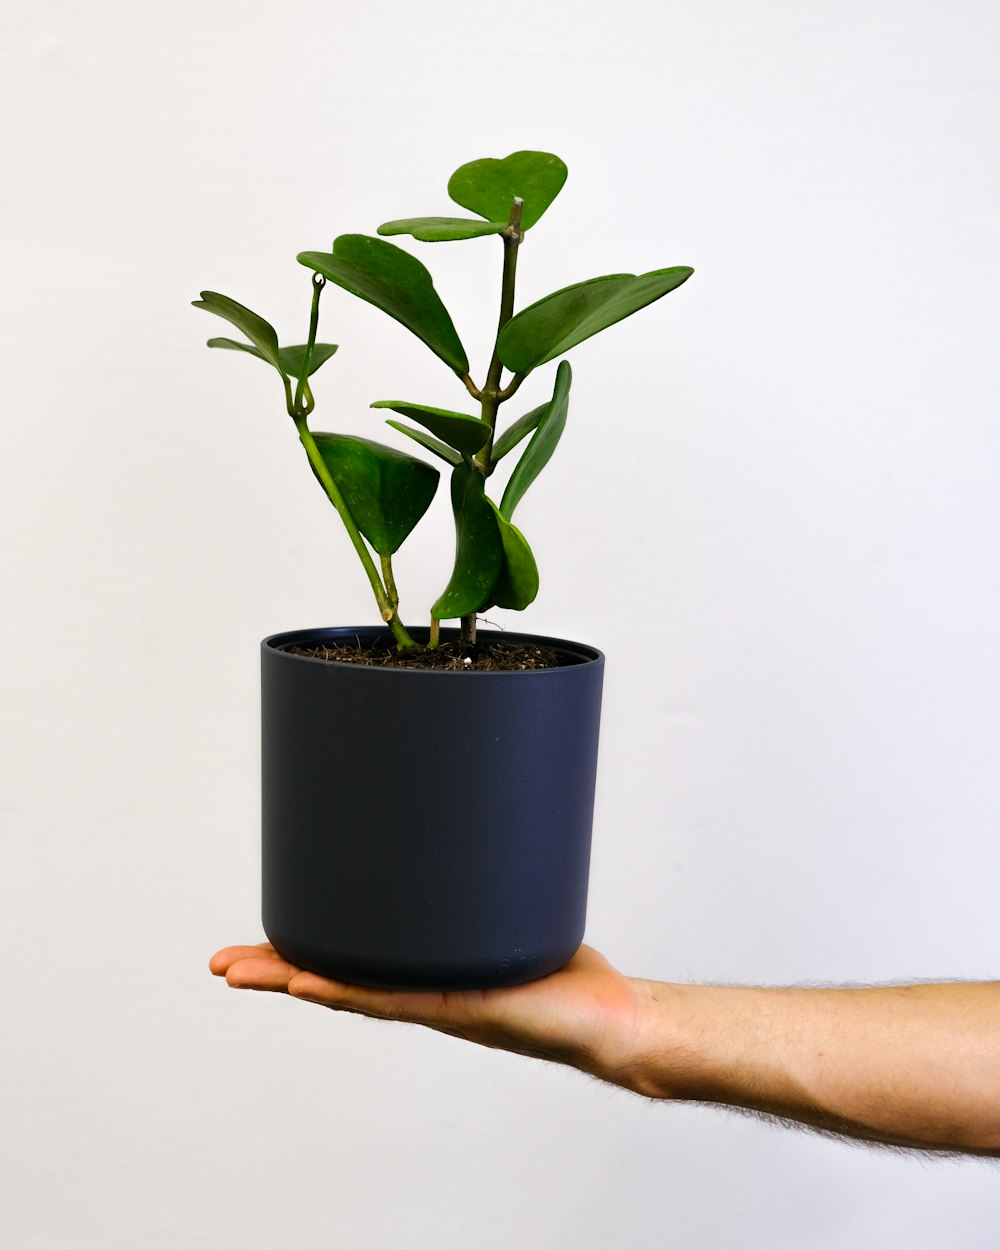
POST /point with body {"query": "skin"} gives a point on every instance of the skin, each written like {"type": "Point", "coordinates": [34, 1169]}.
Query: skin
{"type": "Point", "coordinates": [915, 1066]}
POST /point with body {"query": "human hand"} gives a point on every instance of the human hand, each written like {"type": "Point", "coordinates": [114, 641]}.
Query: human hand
{"type": "Point", "coordinates": [911, 1065]}
{"type": "Point", "coordinates": [586, 1015]}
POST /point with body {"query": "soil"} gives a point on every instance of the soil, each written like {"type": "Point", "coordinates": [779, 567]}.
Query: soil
{"type": "Point", "coordinates": [487, 656]}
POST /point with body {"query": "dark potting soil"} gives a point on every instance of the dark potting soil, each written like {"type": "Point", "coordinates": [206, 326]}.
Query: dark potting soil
{"type": "Point", "coordinates": [491, 656]}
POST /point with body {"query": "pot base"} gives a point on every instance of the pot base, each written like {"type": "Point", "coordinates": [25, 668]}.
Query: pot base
{"type": "Point", "coordinates": [462, 973]}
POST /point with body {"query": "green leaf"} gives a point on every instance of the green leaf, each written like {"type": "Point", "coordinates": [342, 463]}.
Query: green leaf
{"type": "Point", "coordinates": [523, 426]}
{"type": "Point", "coordinates": [488, 186]}
{"type": "Point", "coordinates": [233, 346]}
{"type": "Point", "coordinates": [293, 358]}
{"type": "Point", "coordinates": [558, 322]}
{"type": "Point", "coordinates": [479, 549]}
{"type": "Point", "coordinates": [466, 434]}
{"type": "Point", "coordinates": [442, 229]}
{"type": "Point", "coordinates": [428, 441]}
{"type": "Point", "coordinates": [260, 332]}
{"type": "Point", "coordinates": [543, 442]}
{"type": "Point", "coordinates": [396, 282]}
{"type": "Point", "coordinates": [517, 584]}
{"type": "Point", "coordinates": [386, 491]}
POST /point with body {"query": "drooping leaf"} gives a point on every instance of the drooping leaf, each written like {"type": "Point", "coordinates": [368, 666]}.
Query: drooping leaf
{"type": "Point", "coordinates": [260, 332]}
{"type": "Point", "coordinates": [488, 186]}
{"type": "Point", "coordinates": [466, 434]}
{"type": "Point", "coordinates": [429, 441]}
{"type": "Point", "coordinates": [513, 434]}
{"type": "Point", "coordinates": [386, 491]}
{"type": "Point", "coordinates": [234, 346]}
{"type": "Point", "coordinates": [479, 549]}
{"type": "Point", "coordinates": [558, 322]}
{"type": "Point", "coordinates": [442, 229]}
{"type": "Point", "coordinates": [293, 358]}
{"type": "Point", "coordinates": [543, 442]}
{"type": "Point", "coordinates": [396, 282]}
{"type": "Point", "coordinates": [517, 584]}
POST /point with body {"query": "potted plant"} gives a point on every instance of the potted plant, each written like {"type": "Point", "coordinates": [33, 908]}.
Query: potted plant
{"type": "Point", "coordinates": [428, 793]}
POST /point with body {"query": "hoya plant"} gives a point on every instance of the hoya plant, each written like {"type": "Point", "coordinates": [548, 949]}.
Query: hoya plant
{"type": "Point", "coordinates": [380, 492]}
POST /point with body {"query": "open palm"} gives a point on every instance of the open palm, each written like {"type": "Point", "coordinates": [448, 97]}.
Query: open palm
{"type": "Point", "coordinates": [586, 1015]}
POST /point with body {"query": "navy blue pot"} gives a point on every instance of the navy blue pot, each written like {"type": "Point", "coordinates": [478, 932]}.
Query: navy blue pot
{"type": "Point", "coordinates": [424, 828]}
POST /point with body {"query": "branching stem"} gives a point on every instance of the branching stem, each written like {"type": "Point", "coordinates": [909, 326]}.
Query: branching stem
{"type": "Point", "coordinates": [511, 387]}
{"type": "Point", "coordinates": [492, 395]}
{"type": "Point", "coordinates": [300, 405]}
{"type": "Point", "coordinates": [471, 387]}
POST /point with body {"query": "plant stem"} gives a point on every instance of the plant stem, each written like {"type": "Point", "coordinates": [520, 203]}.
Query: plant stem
{"type": "Point", "coordinates": [390, 582]}
{"type": "Point", "coordinates": [512, 238]}
{"type": "Point", "coordinates": [319, 282]}
{"type": "Point", "coordinates": [511, 387]}
{"type": "Point", "coordinates": [492, 396]}
{"type": "Point", "coordinates": [434, 637]}
{"type": "Point", "coordinates": [299, 407]}
{"type": "Point", "coordinates": [385, 605]}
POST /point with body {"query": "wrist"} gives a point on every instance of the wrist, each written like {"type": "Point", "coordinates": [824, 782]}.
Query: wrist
{"type": "Point", "coordinates": [700, 1043]}
{"type": "Point", "coordinates": [667, 1058]}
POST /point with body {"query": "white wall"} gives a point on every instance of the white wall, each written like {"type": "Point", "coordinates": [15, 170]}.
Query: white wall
{"type": "Point", "coordinates": [784, 483]}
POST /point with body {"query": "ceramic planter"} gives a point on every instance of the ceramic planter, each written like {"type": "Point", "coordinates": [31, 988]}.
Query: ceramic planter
{"type": "Point", "coordinates": [426, 828]}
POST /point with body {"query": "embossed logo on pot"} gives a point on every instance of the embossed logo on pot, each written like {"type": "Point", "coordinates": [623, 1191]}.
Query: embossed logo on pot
{"type": "Point", "coordinates": [519, 962]}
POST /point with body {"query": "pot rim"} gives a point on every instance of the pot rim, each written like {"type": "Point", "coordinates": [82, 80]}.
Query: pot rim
{"type": "Point", "coordinates": [581, 653]}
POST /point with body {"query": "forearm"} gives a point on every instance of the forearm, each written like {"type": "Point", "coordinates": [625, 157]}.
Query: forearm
{"type": "Point", "coordinates": [914, 1065]}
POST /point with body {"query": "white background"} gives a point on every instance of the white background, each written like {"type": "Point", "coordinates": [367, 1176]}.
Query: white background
{"type": "Point", "coordinates": [775, 508]}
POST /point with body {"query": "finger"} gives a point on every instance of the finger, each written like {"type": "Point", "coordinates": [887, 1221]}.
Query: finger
{"type": "Point", "coordinates": [221, 960]}
{"type": "Point", "coordinates": [417, 1007]}
{"type": "Point", "coordinates": [260, 974]}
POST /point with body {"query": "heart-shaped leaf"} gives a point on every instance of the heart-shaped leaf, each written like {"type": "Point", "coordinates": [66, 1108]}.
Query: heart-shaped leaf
{"type": "Point", "coordinates": [442, 229]}
{"type": "Point", "coordinates": [260, 332]}
{"type": "Point", "coordinates": [466, 434]}
{"type": "Point", "coordinates": [429, 441]}
{"type": "Point", "coordinates": [517, 584]}
{"type": "Point", "coordinates": [396, 282]}
{"type": "Point", "coordinates": [489, 186]}
{"type": "Point", "coordinates": [479, 549]}
{"type": "Point", "coordinates": [386, 491]}
{"type": "Point", "coordinates": [558, 322]}
{"type": "Point", "coordinates": [513, 434]}
{"type": "Point", "coordinates": [543, 442]}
